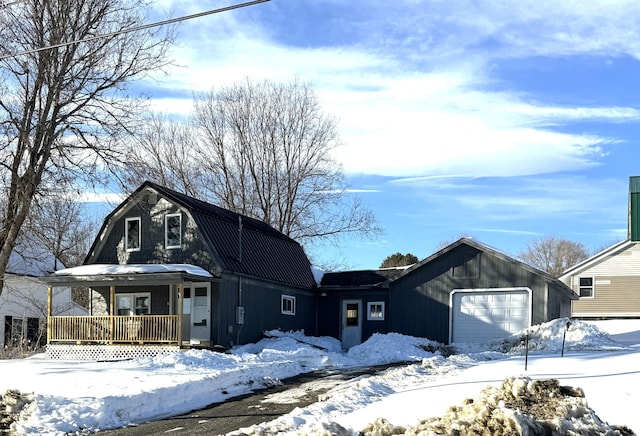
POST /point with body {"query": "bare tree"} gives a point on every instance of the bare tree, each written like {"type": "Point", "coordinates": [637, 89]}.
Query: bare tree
{"type": "Point", "coordinates": [61, 226]}
{"type": "Point", "coordinates": [62, 109]}
{"type": "Point", "coordinates": [553, 255]}
{"type": "Point", "coordinates": [262, 150]}
{"type": "Point", "coordinates": [162, 154]}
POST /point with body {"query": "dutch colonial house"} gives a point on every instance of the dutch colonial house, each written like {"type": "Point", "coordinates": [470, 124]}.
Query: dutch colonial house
{"type": "Point", "coordinates": [171, 271]}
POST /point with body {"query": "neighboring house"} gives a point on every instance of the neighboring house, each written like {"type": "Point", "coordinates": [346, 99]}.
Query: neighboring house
{"type": "Point", "coordinates": [23, 303]}
{"type": "Point", "coordinates": [466, 292]}
{"type": "Point", "coordinates": [608, 283]}
{"type": "Point", "coordinates": [174, 271]}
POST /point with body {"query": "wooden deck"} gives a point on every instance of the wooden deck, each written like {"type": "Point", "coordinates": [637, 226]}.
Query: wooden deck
{"type": "Point", "coordinates": [141, 329]}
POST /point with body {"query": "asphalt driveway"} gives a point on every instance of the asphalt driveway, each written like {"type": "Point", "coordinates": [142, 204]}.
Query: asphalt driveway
{"type": "Point", "coordinates": [247, 410]}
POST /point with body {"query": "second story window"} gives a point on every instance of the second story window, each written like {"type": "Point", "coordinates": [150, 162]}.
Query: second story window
{"type": "Point", "coordinates": [586, 287]}
{"type": "Point", "coordinates": [132, 234]}
{"type": "Point", "coordinates": [173, 231]}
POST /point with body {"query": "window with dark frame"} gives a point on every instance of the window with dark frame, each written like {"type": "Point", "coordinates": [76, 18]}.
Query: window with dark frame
{"type": "Point", "coordinates": [288, 306]}
{"type": "Point", "coordinates": [132, 234]}
{"type": "Point", "coordinates": [173, 231]}
{"type": "Point", "coordinates": [585, 288]}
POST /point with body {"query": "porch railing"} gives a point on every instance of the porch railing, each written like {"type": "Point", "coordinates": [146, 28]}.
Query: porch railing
{"type": "Point", "coordinates": [139, 329]}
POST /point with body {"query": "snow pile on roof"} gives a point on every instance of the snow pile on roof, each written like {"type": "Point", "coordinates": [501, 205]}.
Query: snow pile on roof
{"type": "Point", "coordinates": [105, 269]}
{"type": "Point", "coordinates": [317, 274]}
{"type": "Point", "coordinates": [32, 261]}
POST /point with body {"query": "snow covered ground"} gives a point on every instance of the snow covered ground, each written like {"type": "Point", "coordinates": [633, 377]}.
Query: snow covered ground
{"type": "Point", "coordinates": [48, 397]}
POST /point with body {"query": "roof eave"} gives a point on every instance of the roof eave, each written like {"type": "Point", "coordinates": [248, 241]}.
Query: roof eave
{"type": "Point", "coordinates": [134, 279]}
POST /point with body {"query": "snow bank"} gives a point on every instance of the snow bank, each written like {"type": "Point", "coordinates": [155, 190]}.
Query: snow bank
{"type": "Point", "coordinates": [520, 406]}
{"type": "Point", "coordinates": [577, 335]}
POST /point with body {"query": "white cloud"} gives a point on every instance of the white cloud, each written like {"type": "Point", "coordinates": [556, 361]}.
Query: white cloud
{"type": "Point", "coordinates": [416, 96]}
{"type": "Point", "coordinates": [100, 197]}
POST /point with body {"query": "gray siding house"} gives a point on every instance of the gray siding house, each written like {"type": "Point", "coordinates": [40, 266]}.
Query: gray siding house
{"type": "Point", "coordinates": [466, 292]}
{"type": "Point", "coordinates": [171, 270]}
{"type": "Point", "coordinates": [168, 271]}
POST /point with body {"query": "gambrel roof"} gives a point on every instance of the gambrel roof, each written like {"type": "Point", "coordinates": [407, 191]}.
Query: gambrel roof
{"type": "Point", "coordinates": [238, 243]}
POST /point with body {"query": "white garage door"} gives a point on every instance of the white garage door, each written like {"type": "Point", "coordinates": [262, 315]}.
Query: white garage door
{"type": "Point", "coordinates": [481, 315]}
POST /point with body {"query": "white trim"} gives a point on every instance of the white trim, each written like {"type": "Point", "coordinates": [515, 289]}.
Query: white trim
{"type": "Point", "coordinates": [370, 304]}
{"type": "Point", "coordinates": [133, 297]}
{"type": "Point", "coordinates": [126, 233]}
{"type": "Point", "coordinates": [596, 258]}
{"type": "Point", "coordinates": [605, 315]}
{"type": "Point", "coordinates": [166, 230]}
{"type": "Point", "coordinates": [592, 287]}
{"type": "Point", "coordinates": [288, 311]}
{"type": "Point", "coordinates": [106, 352]}
{"type": "Point", "coordinates": [494, 290]}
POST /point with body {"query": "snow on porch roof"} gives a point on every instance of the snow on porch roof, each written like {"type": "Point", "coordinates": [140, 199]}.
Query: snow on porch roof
{"type": "Point", "coordinates": [108, 273]}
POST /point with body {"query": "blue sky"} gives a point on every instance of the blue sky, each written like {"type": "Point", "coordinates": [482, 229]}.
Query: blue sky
{"type": "Point", "coordinates": [505, 121]}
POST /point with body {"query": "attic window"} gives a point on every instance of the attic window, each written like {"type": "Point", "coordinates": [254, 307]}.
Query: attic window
{"type": "Point", "coordinates": [173, 231]}
{"type": "Point", "coordinates": [586, 287]}
{"type": "Point", "coordinates": [132, 234]}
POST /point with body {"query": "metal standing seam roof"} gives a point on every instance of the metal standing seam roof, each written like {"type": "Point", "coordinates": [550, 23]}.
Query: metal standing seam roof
{"type": "Point", "coordinates": [359, 278]}
{"type": "Point", "coordinates": [265, 252]}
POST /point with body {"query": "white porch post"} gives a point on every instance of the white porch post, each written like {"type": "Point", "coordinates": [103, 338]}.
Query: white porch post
{"type": "Point", "coordinates": [112, 303]}
{"type": "Point", "coordinates": [49, 311]}
{"type": "Point", "coordinates": [180, 312]}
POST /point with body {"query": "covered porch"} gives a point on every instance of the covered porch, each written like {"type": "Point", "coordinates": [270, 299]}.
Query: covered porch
{"type": "Point", "coordinates": [144, 310]}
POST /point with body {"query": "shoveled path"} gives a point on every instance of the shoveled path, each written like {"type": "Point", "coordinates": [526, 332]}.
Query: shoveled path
{"type": "Point", "coordinates": [250, 409]}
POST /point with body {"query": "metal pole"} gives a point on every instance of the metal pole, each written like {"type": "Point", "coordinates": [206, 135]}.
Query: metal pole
{"type": "Point", "coordinates": [564, 334]}
{"type": "Point", "coordinates": [526, 351]}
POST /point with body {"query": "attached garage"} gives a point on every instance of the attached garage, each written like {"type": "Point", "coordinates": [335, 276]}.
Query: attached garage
{"type": "Point", "coordinates": [466, 292]}
{"type": "Point", "coordinates": [479, 315]}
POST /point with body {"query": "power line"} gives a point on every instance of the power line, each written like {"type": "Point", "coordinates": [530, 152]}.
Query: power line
{"type": "Point", "coordinates": [135, 29]}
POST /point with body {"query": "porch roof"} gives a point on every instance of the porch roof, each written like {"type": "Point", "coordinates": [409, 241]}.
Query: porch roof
{"type": "Point", "coordinates": [133, 274]}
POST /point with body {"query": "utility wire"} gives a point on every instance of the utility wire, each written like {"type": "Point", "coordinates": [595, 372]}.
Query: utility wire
{"type": "Point", "coordinates": [135, 29]}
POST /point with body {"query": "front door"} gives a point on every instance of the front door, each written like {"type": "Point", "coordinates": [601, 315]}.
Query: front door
{"type": "Point", "coordinates": [351, 323]}
{"type": "Point", "coordinates": [200, 318]}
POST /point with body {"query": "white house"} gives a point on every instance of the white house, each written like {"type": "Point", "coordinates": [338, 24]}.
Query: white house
{"type": "Point", "coordinates": [23, 302]}
{"type": "Point", "coordinates": [608, 283]}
